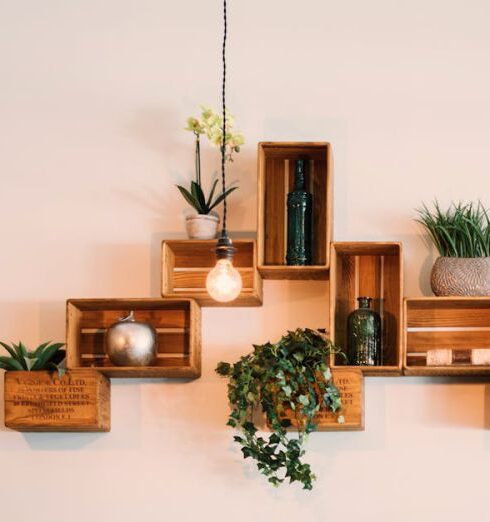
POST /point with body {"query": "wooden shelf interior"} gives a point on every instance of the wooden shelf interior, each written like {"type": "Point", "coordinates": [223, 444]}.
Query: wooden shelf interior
{"type": "Point", "coordinates": [458, 323]}
{"type": "Point", "coordinates": [186, 264]}
{"type": "Point", "coordinates": [276, 165]}
{"type": "Point", "coordinates": [177, 323]}
{"type": "Point", "coordinates": [374, 270]}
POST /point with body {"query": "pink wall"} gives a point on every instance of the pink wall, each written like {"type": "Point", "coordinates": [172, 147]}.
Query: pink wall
{"type": "Point", "coordinates": [93, 100]}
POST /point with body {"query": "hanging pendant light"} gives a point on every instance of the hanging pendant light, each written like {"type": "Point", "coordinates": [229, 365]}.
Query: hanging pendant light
{"type": "Point", "coordinates": [224, 282]}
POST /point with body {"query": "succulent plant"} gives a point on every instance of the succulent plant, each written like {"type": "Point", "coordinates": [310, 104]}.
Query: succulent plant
{"type": "Point", "coordinates": [47, 356]}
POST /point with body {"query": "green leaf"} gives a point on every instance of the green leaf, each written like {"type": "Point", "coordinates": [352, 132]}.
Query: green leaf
{"type": "Point", "coordinates": [211, 193]}
{"type": "Point", "coordinates": [303, 399]}
{"type": "Point", "coordinates": [47, 355]}
{"type": "Point", "coordinates": [221, 197]}
{"type": "Point", "coordinates": [21, 352]}
{"type": "Point", "coordinates": [198, 194]}
{"type": "Point", "coordinates": [193, 202]}
{"type": "Point", "coordinates": [10, 350]}
{"type": "Point", "coordinates": [11, 364]}
{"type": "Point", "coordinates": [223, 368]}
{"type": "Point", "coordinates": [30, 362]}
{"type": "Point", "coordinates": [40, 349]}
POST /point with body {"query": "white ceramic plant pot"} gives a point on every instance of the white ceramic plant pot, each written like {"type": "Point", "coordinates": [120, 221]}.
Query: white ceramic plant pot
{"type": "Point", "coordinates": [202, 226]}
{"type": "Point", "coordinates": [460, 276]}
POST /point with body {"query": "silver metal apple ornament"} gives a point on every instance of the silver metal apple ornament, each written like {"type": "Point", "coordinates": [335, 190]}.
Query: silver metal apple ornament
{"type": "Point", "coordinates": [131, 343]}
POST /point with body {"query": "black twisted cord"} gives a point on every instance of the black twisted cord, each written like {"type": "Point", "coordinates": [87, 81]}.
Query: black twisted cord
{"type": "Point", "coordinates": [223, 143]}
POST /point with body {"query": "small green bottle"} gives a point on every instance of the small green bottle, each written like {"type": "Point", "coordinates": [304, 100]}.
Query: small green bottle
{"type": "Point", "coordinates": [364, 335]}
{"type": "Point", "coordinates": [299, 217]}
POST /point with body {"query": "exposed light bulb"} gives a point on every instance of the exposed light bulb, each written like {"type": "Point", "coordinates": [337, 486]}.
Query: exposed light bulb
{"type": "Point", "coordinates": [224, 282]}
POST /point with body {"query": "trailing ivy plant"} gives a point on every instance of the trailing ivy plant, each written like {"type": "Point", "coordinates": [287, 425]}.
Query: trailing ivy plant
{"type": "Point", "coordinates": [47, 356]}
{"type": "Point", "coordinates": [290, 380]}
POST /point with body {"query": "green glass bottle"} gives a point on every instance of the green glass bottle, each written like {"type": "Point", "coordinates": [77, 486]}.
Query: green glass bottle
{"type": "Point", "coordinates": [364, 335]}
{"type": "Point", "coordinates": [299, 217]}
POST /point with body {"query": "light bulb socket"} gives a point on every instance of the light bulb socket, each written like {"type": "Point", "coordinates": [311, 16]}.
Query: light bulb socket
{"type": "Point", "coordinates": [225, 248]}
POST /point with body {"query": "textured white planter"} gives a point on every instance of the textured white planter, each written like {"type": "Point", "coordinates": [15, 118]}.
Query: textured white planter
{"type": "Point", "coordinates": [202, 226]}
{"type": "Point", "coordinates": [461, 276]}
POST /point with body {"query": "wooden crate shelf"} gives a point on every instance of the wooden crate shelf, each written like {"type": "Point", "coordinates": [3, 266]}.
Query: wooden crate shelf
{"type": "Point", "coordinates": [79, 401]}
{"type": "Point", "coordinates": [375, 270]}
{"type": "Point", "coordinates": [459, 323]}
{"type": "Point", "coordinates": [275, 181]}
{"type": "Point", "coordinates": [186, 263]}
{"type": "Point", "coordinates": [178, 326]}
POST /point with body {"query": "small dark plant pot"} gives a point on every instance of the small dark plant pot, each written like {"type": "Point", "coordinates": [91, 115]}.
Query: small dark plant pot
{"type": "Point", "coordinates": [461, 276]}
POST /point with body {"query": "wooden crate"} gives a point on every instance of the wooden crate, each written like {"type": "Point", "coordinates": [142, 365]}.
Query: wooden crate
{"type": "Point", "coordinates": [458, 323]}
{"type": "Point", "coordinates": [275, 180]}
{"type": "Point", "coordinates": [374, 270]}
{"type": "Point", "coordinates": [186, 263]}
{"type": "Point", "coordinates": [178, 326]}
{"type": "Point", "coordinates": [42, 401]}
{"type": "Point", "coordinates": [350, 382]}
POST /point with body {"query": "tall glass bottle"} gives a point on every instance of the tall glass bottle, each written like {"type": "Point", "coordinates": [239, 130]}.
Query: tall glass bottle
{"type": "Point", "coordinates": [299, 216]}
{"type": "Point", "coordinates": [364, 335]}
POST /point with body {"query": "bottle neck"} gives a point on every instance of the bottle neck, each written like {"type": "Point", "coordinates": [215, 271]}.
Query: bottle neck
{"type": "Point", "coordinates": [364, 302]}
{"type": "Point", "coordinates": [299, 177]}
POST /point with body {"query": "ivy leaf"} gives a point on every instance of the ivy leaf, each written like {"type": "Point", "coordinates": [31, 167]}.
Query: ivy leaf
{"type": "Point", "coordinates": [303, 399]}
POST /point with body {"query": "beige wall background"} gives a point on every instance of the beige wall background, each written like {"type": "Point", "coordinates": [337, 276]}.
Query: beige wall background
{"type": "Point", "coordinates": [93, 100]}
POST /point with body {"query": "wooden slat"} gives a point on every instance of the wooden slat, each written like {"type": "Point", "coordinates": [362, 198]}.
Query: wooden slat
{"type": "Point", "coordinates": [367, 248]}
{"type": "Point", "coordinates": [201, 254]}
{"type": "Point", "coordinates": [176, 367]}
{"type": "Point", "coordinates": [294, 150]}
{"type": "Point", "coordinates": [392, 309]}
{"type": "Point", "coordinates": [449, 314]}
{"type": "Point", "coordinates": [275, 204]}
{"type": "Point", "coordinates": [157, 318]}
{"type": "Point", "coordinates": [196, 279]}
{"type": "Point", "coordinates": [319, 188]}
{"type": "Point", "coordinates": [94, 343]}
{"type": "Point", "coordinates": [347, 284]}
{"type": "Point", "coordinates": [296, 273]}
{"type": "Point", "coordinates": [370, 283]}
{"type": "Point", "coordinates": [457, 339]}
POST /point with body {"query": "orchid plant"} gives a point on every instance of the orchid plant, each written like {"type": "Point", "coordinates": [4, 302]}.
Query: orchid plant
{"type": "Point", "coordinates": [210, 125]}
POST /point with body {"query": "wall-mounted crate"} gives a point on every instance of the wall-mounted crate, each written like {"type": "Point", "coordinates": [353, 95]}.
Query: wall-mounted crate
{"type": "Point", "coordinates": [374, 270]}
{"type": "Point", "coordinates": [350, 383]}
{"type": "Point", "coordinates": [80, 400]}
{"type": "Point", "coordinates": [276, 164]}
{"type": "Point", "coordinates": [186, 263]}
{"type": "Point", "coordinates": [178, 326]}
{"type": "Point", "coordinates": [454, 323]}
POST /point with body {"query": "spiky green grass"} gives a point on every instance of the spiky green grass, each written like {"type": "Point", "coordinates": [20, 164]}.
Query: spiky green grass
{"type": "Point", "coordinates": [463, 230]}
